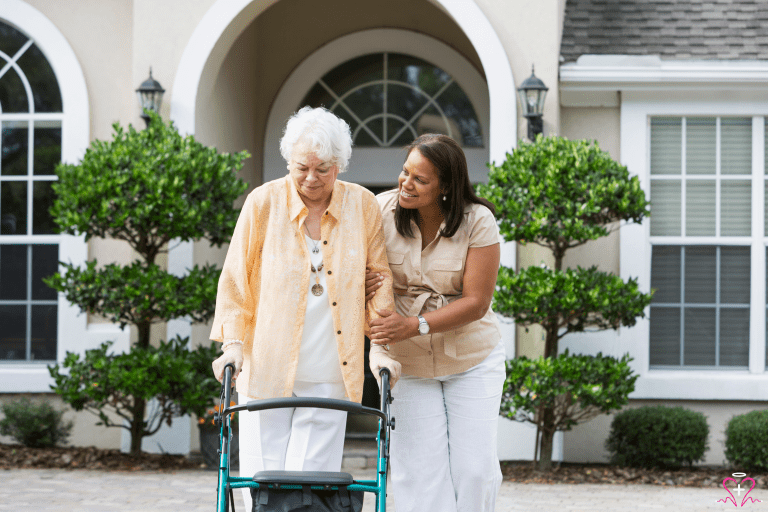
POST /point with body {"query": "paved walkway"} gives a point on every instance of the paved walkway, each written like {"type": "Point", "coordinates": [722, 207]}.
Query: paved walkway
{"type": "Point", "coordinates": [191, 491]}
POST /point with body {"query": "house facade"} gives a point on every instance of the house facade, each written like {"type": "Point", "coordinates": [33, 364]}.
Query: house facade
{"type": "Point", "coordinates": [673, 90]}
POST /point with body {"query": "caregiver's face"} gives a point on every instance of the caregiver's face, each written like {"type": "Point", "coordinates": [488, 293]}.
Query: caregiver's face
{"type": "Point", "coordinates": [313, 178]}
{"type": "Point", "coordinates": [418, 183]}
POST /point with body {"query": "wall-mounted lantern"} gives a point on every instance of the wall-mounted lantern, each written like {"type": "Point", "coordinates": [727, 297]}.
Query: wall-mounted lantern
{"type": "Point", "coordinates": [150, 94]}
{"type": "Point", "coordinates": [532, 93]}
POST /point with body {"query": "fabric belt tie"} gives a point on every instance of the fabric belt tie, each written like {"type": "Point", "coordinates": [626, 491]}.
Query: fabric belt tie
{"type": "Point", "coordinates": [421, 297]}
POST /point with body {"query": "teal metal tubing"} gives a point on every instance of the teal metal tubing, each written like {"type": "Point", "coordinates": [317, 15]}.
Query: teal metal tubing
{"type": "Point", "coordinates": [378, 487]}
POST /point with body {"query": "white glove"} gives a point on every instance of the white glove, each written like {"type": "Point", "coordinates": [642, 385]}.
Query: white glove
{"type": "Point", "coordinates": [233, 355]}
{"type": "Point", "coordinates": [379, 358]}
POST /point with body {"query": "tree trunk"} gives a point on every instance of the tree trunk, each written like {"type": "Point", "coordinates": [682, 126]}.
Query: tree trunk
{"type": "Point", "coordinates": [547, 433]}
{"type": "Point", "coordinates": [137, 425]}
{"type": "Point", "coordinates": [143, 328]}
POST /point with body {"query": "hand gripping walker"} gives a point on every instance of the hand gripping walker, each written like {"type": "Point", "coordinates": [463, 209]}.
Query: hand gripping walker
{"type": "Point", "coordinates": [320, 486]}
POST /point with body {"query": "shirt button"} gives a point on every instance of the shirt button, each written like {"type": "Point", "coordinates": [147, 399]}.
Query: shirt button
{"type": "Point", "coordinates": [325, 242]}
{"type": "Point", "coordinates": [334, 303]}
{"type": "Point", "coordinates": [329, 272]}
{"type": "Point", "coordinates": [338, 332]}
{"type": "Point", "coordinates": [344, 363]}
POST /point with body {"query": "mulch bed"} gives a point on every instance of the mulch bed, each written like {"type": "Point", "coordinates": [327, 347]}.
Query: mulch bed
{"type": "Point", "coordinates": [21, 457]}
{"type": "Point", "coordinates": [568, 473]}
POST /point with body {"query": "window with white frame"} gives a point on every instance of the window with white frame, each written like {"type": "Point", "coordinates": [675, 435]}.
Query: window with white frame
{"type": "Point", "coordinates": [701, 234]}
{"type": "Point", "coordinates": [30, 140]}
{"type": "Point", "coordinates": [389, 99]}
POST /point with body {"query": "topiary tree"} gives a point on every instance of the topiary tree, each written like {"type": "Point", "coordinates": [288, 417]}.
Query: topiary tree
{"type": "Point", "coordinates": [145, 187]}
{"type": "Point", "coordinates": [561, 194]}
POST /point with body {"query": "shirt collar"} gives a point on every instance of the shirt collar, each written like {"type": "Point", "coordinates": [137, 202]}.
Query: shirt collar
{"type": "Point", "coordinates": [296, 206]}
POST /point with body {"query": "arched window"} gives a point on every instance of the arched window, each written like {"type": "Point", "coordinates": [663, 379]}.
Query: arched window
{"type": "Point", "coordinates": [30, 143]}
{"type": "Point", "coordinates": [389, 99]}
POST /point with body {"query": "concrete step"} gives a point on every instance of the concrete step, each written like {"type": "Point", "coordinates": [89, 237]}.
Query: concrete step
{"type": "Point", "coordinates": [359, 454]}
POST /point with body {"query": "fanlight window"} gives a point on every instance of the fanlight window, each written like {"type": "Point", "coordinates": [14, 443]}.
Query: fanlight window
{"type": "Point", "coordinates": [389, 99]}
{"type": "Point", "coordinates": [30, 147]}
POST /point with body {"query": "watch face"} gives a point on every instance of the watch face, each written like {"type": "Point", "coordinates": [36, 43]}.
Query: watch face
{"type": "Point", "coordinates": [424, 328]}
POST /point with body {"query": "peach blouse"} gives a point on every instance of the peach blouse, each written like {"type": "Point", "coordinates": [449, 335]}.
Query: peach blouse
{"type": "Point", "coordinates": [262, 292]}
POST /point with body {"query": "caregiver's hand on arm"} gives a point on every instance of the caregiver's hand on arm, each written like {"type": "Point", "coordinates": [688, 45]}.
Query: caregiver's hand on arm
{"type": "Point", "coordinates": [480, 271]}
{"type": "Point", "coordinates": [373, 281]}
{"type": "Point", "coordinates": [232, 355]}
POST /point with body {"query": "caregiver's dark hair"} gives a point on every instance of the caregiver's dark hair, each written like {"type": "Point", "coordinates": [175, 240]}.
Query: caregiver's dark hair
{"type": "Point", "coordinates": [451, 164]}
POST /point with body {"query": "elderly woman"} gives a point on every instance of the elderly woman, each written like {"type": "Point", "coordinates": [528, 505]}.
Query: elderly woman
{"type": "Point", "coordinates": [291, 309]}
{"type": "Point", "coordinates": [443, 250]}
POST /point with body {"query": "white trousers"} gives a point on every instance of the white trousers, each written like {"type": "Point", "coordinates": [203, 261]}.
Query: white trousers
{"type": "Point", "coordinates": [293, 439]}
{"type": "Point", "coordinates": [444, 453]}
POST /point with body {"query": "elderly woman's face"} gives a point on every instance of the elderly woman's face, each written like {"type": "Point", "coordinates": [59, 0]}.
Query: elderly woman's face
{"type": "Point", "coordinates": [313, 177]}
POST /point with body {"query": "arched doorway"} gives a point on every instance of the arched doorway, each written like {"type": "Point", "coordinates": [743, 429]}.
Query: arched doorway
{"type": "Point", "coordinates": [390, 85]}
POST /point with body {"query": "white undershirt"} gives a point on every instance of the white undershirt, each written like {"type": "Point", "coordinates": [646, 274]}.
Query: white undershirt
{"type": "Point", "coordinates": [318, 355]}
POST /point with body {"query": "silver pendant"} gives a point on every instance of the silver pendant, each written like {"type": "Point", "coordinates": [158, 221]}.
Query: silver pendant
{"type": "Point", "coordinates": [315, 250]}
{"type": "Point", "coordinates": [317, 290]}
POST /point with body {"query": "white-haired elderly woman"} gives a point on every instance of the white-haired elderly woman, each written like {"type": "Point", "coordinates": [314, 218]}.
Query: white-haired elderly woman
{"type": "Point", "coordinates": [291, 309]}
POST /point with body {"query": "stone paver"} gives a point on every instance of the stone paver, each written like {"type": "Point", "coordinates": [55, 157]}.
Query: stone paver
{"type": "Point", "coordinates": [191, 491]}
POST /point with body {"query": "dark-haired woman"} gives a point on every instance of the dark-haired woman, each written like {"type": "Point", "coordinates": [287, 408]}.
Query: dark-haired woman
{"type": "Point", "coordinates": [443, 250]}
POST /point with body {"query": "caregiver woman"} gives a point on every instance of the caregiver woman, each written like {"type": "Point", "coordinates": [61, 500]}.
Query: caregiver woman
{"type": "Point", "coordinates": [291, 307]}
{"type": "Point", "coordinates": [443, 250]}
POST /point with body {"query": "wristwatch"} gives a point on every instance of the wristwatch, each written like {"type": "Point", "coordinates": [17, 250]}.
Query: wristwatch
{"type": "Point", "coordinates": [423, 325]}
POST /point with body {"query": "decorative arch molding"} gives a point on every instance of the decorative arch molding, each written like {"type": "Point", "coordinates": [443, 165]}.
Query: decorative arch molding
{"type": "Point", "coordinates": [345, 48]}
{"type": "Point", "coordinates": [226, 19]}
{"type": "Point", "coordinates": [74, 333]}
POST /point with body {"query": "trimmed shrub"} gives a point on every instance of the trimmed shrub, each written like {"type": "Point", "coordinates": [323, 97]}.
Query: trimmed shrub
{"type": "Point", "coordinates": [657, 436]}
{"type": "Point", "coordinates": [34, 424]}
{"type": "Point", "coordinates": [746, 441]}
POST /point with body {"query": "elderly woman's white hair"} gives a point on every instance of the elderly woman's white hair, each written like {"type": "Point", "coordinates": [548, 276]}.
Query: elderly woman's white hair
{"type": "Point", "coordinates": [318, 131]}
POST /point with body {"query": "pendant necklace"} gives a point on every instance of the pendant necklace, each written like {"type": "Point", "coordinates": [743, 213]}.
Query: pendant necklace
{"type": "Point", "coordinates": [317, 288]}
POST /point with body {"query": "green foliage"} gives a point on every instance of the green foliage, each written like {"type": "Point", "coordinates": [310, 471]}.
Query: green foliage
{"type": "Point", "coordinates": [149, 186]}
{"type": "Point", "coordinates": [139, 292]}
{"type": "Point", "coordinates": [145, 187]}
{"type": "Point", "coordinates": [571, 300]}
{"type": "Point", "coordinates": [576, 388]}
{"type": "Point", "coordinates": [35, 424]}
{"type": "Point", "coordinates": [657, 436]}
{"type": "Point", "coordinates": [561, 193]}
{"type": "Point", "coordinates": [746, 442]}
{"type": "Point", "coordinates": [170, 373]}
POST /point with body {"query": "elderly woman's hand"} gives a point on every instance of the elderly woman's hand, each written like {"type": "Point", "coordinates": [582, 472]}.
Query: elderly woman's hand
{"type": "Point", "coordinates": [233, 355]}
{"type": "Point", "coordinates": [379, 358]}
{"type": "Point", "coordinates": [391, 328]}
{"type": "Point", "coordinates": [373, 281]}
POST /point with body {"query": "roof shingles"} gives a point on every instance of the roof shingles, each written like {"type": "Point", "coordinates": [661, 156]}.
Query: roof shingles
{"type": "Point", "coordinates": [672, 29]}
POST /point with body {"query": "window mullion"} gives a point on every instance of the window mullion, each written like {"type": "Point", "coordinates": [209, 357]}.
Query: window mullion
{"type": "Point", "coordinates": [757, 327]}
{"type": "Point", "coordinates": [718, 180]}
{"type": "Point", "coordinates": [683, 182]}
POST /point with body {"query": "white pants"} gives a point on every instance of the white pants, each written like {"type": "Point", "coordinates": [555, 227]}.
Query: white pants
{"type": "Point", "coordinates": [444, 453]}
{"type": "Point", "coordinates": [294, 439]}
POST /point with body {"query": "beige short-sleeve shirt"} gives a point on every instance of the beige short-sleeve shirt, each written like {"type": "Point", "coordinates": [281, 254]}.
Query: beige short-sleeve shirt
{"type": "Point", "coordinates": [430, 279]}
